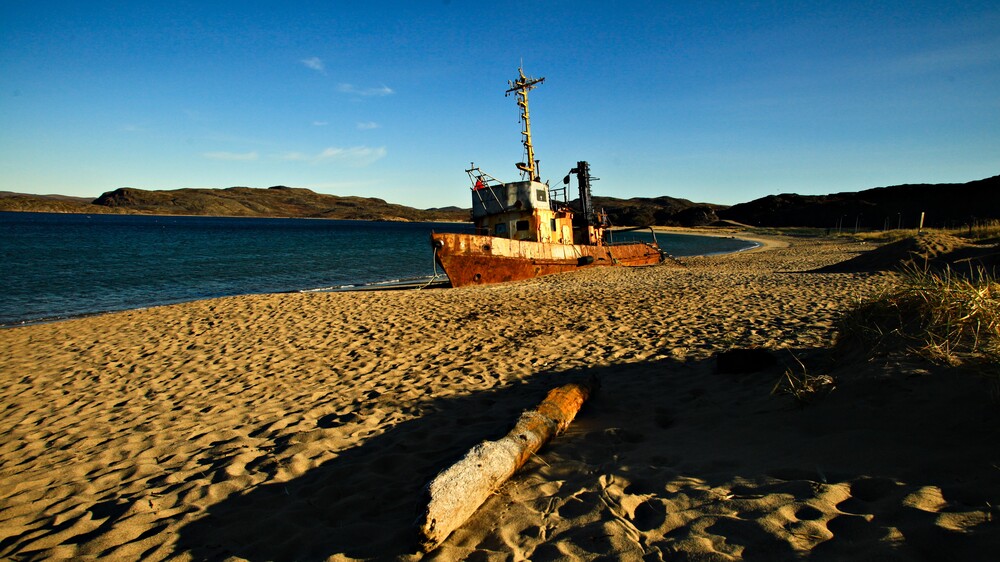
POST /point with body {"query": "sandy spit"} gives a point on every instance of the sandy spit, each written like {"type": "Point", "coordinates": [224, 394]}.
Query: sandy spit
{"type": "Point", "coordinates": [304, 426]}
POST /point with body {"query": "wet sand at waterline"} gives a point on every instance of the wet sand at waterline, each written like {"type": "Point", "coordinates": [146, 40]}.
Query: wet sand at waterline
{"type": "Point", "coordinates": [304, 426]}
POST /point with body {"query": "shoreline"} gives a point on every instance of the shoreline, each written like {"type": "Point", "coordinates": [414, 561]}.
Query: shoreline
{"type": "Point", "coordinates": [88, 311]}
{"type": "Point", "coordinates": [765, 242]}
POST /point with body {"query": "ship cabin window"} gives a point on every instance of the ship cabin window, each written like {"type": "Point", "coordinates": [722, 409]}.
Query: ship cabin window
{"type": "Point", "coordinates": [540, 195]}
{"type": "Point", "coordinates": [522, 225]}
{"type": "Point", "coordinates": [500, 229]}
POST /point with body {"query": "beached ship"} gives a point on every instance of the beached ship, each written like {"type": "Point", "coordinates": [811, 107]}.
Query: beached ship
{"type": "Point", "coordinates": [525, 229]}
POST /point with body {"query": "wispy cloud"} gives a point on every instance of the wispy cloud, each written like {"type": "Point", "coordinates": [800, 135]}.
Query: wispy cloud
{"type": "Point", "coordinates": [357, 156]}
{"type": "Point", "coordinates": [314, 63]}
{"type": "Point", "coordinates": [231, 156]}
{"type": "Point", "coordinates": [367, 92]}
{"type": "Point", "coordinates": [224, 138]}
{"type": "Point", "coordinates": [367, 125]}
{"type": "Point", "coordinates": [342, 186]}
{"type": "Point", "coordinates": [952, 58]}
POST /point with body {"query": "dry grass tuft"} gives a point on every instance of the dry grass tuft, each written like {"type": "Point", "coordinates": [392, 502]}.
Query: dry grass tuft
{"type": "Point", "coordinates": [804, 387]}
{"type": "Point", "coordinates": [882, 235]}
{"type": "Point", "coordinates": [980, 231]}
{"type": "Point", "coordinates": [946, 318]}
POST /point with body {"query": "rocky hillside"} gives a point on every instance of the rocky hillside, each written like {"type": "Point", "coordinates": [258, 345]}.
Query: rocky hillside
{"type": "Point", "coordinates": [660, 211]}
{"type": "Point", "coordinates": [944, 205]}
{"type": "Point", "coordinates": [278, 201]}
{"type": "Point", "coordinates": [23, 202]}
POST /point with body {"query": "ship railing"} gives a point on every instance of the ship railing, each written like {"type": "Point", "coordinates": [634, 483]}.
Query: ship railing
{"type": "Point", "coordinates": [613, 242]}
{"type": "Point", "coordinates": [483, 183]}
{"type": "Point", "coordinates": [480, 179]}
{"type": "Point", "coordinates": [557, 196]}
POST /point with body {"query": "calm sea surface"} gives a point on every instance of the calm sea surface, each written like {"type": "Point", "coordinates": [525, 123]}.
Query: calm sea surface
{"type": "Point", "coordinates": [63, 265]}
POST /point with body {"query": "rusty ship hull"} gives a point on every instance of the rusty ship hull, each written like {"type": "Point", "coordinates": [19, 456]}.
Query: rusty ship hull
{"type": "Point", "coordinates": [526, 228]}
{"type": "Point", "coordinates": [470, 259]}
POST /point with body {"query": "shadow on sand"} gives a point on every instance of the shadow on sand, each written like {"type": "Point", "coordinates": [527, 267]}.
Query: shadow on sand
{"type": "Point", "coordinates": [670, 431]}
{"type": "Point", "coordinates": [365, 502]}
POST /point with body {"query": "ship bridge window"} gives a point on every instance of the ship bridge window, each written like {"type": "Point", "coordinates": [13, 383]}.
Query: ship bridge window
{"type": "Point", "coordinates": [540, 195]}
{"type": "Point", "coordinates": [500, 229]}
{"type": "Point", "coordinates": [522, 225]}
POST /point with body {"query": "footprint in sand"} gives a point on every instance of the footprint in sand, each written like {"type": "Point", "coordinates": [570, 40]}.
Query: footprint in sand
{"type": "Point", "coordinates": [808, 513]}
{"type": "Point", "coordinates": [331, 421]}
{"type": "Point", "coordinates": [579, 505]}
{"type": "Point", "coordinates": [848, 529]}
{"type": "Point", "coordinates": [865, 492]}
{"type": "Point", "coordinates": [649, 515]}
{"type": "Point", "coordinates": [873, 489]}
{"type": "Point", "coordinates": [748, 539]}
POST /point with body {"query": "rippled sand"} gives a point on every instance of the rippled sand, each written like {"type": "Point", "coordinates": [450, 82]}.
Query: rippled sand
{"type": "Point", "coordinates": [304, 426]}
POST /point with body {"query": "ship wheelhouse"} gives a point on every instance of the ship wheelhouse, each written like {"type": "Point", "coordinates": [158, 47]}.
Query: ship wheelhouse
{"type": "Point", "coordinates": [523, 210]}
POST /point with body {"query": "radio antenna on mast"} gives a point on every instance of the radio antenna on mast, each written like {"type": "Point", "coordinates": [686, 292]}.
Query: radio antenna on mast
{"type": "Point", "coordinates": [520, 87]}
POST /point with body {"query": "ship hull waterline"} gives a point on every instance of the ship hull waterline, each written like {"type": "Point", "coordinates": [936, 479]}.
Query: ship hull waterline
{"type": "Point", "coordinates": [471, 259]}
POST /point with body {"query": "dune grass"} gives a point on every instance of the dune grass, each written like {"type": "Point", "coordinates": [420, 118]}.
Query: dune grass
{"type": "Point", "coordinates": [802, 385]}
{"type": "Point", "coordinates": [946, 318]}
{"type": "Point", "coordinates": [980, 231]}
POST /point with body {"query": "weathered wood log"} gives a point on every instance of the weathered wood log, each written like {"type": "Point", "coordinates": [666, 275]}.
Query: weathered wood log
{"type": "Point", "coordinates": [457, 492]}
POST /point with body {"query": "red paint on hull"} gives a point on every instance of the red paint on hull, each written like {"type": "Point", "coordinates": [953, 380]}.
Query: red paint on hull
{"type": "Point", "coordinates": [470, 259]}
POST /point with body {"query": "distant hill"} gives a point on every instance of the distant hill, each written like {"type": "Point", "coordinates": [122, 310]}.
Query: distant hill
{"type": "Point", "coordinates": [24, 202]}
{"type": "Point", "coordinates": [277, 201]}
{"type": "Point", "coordinates": [900, 205]}
{"type": "Point", "coordinates": [944, 205]}
{"type": "Point", "coordinates": [280, 201]}
{"type": "Point", "coordinates": [659, 211]}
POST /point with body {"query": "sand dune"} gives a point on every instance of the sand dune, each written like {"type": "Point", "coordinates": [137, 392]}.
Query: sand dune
{"type": "Point", "coordinates": [304, 426]}
{"type": "Point", "coordinates": [930, 250]}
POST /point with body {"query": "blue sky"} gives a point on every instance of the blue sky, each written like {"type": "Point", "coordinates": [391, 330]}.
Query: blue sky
{"type": "Point", "coordinates": [715, 102]}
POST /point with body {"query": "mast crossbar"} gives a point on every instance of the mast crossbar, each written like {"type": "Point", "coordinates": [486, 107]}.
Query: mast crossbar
{"type": "Point", "coordinates": [520, 88]}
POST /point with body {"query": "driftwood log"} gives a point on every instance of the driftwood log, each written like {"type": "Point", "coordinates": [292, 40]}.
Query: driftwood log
{"type": "Point", "coordinates": [457, 492]}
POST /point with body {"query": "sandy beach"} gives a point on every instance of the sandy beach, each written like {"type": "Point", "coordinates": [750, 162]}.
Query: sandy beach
{"type": "Point", "coordinates": [305, 426]}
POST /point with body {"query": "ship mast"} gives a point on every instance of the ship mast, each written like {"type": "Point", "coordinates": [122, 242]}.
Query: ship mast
{"type": "Point", "coordinates": [520, 88]}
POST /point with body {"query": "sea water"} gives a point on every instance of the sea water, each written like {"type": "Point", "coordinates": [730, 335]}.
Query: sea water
{"type": "Point", "coordinates": [55, 266]}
